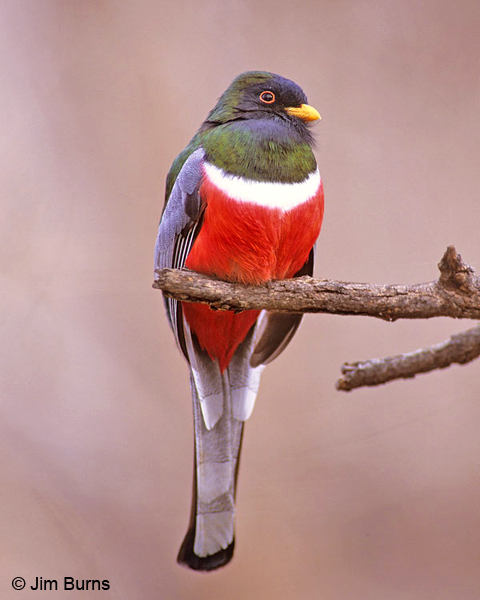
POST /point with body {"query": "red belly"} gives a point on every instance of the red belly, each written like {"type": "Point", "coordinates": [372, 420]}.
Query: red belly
{"type": "Point", "coordinates": [244, 242]}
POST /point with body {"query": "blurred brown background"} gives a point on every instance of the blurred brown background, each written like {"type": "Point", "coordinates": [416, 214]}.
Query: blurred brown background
{"type": "Point", "coordinates": [368, 495]}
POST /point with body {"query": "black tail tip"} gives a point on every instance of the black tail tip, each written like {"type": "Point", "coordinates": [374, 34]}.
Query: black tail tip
{"type": "Point", "coordinates": [187, 557]}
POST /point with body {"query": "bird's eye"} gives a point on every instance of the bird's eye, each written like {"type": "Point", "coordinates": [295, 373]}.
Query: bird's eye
{"type": "Point", "coordinates": [267, 97]}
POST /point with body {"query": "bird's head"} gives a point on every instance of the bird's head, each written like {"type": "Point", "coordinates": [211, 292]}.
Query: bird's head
{"type": "Point", "coordinates": [262, 95]}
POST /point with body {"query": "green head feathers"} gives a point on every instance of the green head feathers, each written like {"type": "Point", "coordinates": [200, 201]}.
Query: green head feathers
{"type": "Point", "coordinates": [258, 130]}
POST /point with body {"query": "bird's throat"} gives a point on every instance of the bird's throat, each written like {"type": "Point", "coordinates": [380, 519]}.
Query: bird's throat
{"type": "Point", "coordinates": [260, 150]}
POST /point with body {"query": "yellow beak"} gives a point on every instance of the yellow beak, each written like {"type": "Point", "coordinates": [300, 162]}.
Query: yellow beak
{"type": "Point", "coordinates": [304, 112]}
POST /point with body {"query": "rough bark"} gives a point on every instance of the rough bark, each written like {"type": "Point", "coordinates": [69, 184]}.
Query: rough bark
{"type": "Point", "coordinates": [461, 348]}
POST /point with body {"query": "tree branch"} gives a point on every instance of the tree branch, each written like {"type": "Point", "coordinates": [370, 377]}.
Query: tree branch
{"type": "Point", "coordinates": [456, 294]}
{"type": "Point", "coordinates": [460, 348]}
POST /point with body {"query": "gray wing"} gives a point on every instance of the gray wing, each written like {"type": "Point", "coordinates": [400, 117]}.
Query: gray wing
{"type": "Point", "coordinates": [179, 226]}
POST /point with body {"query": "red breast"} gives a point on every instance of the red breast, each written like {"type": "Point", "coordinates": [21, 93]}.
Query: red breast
{"type": "Point", "coordinates": [251, 243]}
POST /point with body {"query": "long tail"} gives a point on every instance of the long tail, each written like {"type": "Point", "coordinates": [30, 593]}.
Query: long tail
{"type": "Point", "coordinates": [221, 404]}
{"type": "Point", "coordinates": [210, 538]}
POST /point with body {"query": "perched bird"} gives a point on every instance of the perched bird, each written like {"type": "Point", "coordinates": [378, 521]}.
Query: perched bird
{"type": "Point", "coordinates": [244, 203]}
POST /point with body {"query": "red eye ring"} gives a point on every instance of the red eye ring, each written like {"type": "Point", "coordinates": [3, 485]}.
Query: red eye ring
{"type": "Point", "coordinates": [267, 97]}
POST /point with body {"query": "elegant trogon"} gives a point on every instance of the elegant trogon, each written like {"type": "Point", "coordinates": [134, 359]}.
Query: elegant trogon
{"type": "Point", "coordinates": [244, 203]}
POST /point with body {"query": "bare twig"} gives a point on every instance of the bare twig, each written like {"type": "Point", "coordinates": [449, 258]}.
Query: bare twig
{"type": "Point", "coordinates": [456, 294]}
{"type": "Point", "coordinates": [461, 348]}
